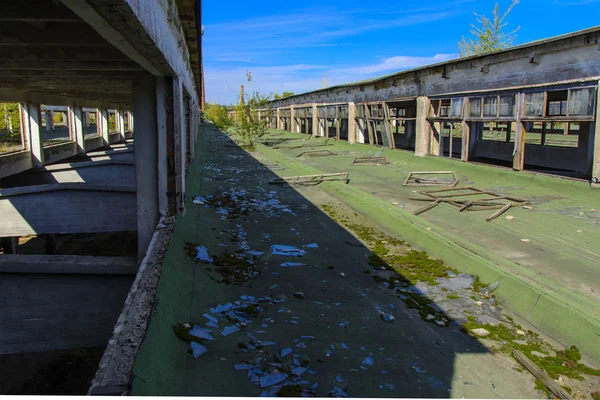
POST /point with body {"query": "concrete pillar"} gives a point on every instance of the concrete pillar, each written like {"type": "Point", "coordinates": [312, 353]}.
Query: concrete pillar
{"type": "Point", "coordinates": [315, 120]}
{"type": "Point", "coordinates": [352, 122]}
{"type": "Point", "coordinates": [595, 142]}
{"type": "Point", "coordinates": [520, 135]}
{"type": "Point", "coordinates": [120, 120]}
{"type": "Point", "coordinates": [466, 141]}
{"type": "Point", "coordinates": [292, 119]}
{"type": "Point", "coordinates": [102, 124]}
{"type": "Point", "coordinates": [146, 159]}
{"type": "Point", "coordinates": [422, 128]}
{"type": "Point", "coordinates": [34, 134]}
{"type": "Point", "coordinates": [180, 133]}
{"type": "Point", "coordinates": [76, 128]}
{"type": "Point", "coordinates": [164, 173]}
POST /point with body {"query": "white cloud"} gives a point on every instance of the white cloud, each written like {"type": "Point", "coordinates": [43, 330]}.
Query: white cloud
{"type": "Point", "coordinates": [398, 63]}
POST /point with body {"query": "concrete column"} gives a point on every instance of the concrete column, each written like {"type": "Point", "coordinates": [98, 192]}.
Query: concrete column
{"type": "Point", "coordinates": [422, 128]}
{"type": "Point", "coordinates": [352, 122]}
{"type": "Point", "coordinates": [76, 128]}
{"type": "Point", "coordinates": [86, 119]}
{"type": "Point", "coordinates": [34, 134]}
{"type": "Point", "coordinates": [595, 142]}
{"type": "Point", "coordinates": [292, 127]}
{"type": "Point", "coordinates": [163, 170]}
{"type": "Point", "coordinates": [120, 120]}
{"type": "Point", "coordinates": [466, 140]}
{"type": "Point", "coordinates": [520, 135]}
{"type": "Point", "coordinates": [146, 159]}
{"type": "Point", "coordinates": [315, 120]}
{"type": "Point", "coordinates": [47, 119]}
{"type": "Point", "coordinates": [102, 124]}
{"type": "Point", "coordinates": [277, 117]}
{"type": "Point", "coordinates": [179, 125]}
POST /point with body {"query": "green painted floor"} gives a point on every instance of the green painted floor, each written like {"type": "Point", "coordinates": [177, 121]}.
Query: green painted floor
{"type": "Point", "coordinates": [561, 258]}
{"type": "Point", "coordinates": [335, 331]}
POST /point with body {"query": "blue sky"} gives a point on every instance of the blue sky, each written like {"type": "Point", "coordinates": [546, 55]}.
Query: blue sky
{"type": "Point", "coordinates": [301, 46]}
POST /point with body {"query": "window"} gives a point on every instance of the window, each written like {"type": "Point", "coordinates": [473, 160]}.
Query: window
{"type": "Point", "coordinates": [444, 108]}
{"type": "Point", "coordinates": [490, 106]}
{"type": "Point", "coordinates": [475, 107]}
{"type": "Point", "coordinates": [507, 106]}
{"type": "Point", "coordinates": [456, 108]}
{"type": "Point", "coordinates": [581, 102]}
{"type": "Point", "coordinates": [498, 132]}
{"type": "Point", "coordinates": [557, 103]}
{"type": "Point", "coordinates": [534, 104]}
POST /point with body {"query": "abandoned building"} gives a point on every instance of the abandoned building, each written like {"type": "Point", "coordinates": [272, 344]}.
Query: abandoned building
{"type": "Point", "coordinates": [101, 106]}
{"type": "Point", "coordinates": [530, 107]}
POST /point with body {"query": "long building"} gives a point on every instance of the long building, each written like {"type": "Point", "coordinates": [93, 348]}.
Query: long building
{"type": "Point", "coordinates": [529, 107]}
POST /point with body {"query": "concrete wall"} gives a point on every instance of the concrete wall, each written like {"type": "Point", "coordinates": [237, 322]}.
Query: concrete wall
{"type": "Point", "coordinates": [14, 163]}
{"type": "Point", "coordinates": [59, 152]}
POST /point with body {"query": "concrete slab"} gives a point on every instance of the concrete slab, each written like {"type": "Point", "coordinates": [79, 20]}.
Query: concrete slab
{"type": "Point", "coordinates": [411, 357]}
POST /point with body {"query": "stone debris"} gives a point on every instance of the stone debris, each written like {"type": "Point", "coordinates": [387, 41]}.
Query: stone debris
{"type": "Point", "coordinates": [299, 295]}
{"type": "Point", "coordinates": [510, 217]}
{"type": "Point", "coordinates": [480, 332]}
{"type": "Point", "coordinates": [525, 240]}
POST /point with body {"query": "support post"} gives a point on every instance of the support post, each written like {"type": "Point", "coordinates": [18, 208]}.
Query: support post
{"type": "Point", "coordinates": [596, 144]}
{"type": "Point", "coordinates": [34, 134]}
{"type": "Point", "coordinates": [466, 141]}
{"type": "Point", "coordinates": [315, 120]}
{"type": "Point", "coordinates": [120, 122]}
{"type": "Point", "coordinates": [422, 128]}
{"type": "Point", "coordinates": [520, 136]}
{"type": "Point", "coordinates": [352, 122]}
{"type": "Point", "coordinates": [277, 122]}
{"type": "Point", "coordinates": [102, 125]}
{"type": "Point", "coordinates": [146, 159]}
{"type": "Point", "coordinates": [180, 142]}
{"type": "Point", "coordinates": [163, 125]}
{"type": "Point", "coordinates": [76, 127]}
{"type": "Point", "coordinates": [292, 119]}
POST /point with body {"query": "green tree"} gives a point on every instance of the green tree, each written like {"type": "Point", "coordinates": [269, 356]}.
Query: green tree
{"type": "Point", "coordinates": [251, 128]}
{"type": "Point", "coordinates": [218, 115]}
{"type": "Point", "coordinates": [490, 35]}
{"type": "Point", "coordinates": [283, 95]}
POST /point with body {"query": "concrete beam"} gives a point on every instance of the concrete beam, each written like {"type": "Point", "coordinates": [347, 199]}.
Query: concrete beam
{"type": "Point", "coordinates": [66, 264]}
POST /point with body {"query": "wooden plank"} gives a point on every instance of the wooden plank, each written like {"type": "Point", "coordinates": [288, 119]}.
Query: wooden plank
{"type": "Point", "coordinates": [554, 387]}
{"type": "Point", "coordinates": [427, 207]}
{"type": "Point", "coordinates": [499, 212]}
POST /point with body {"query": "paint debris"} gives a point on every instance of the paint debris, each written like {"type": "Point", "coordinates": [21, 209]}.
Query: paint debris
{"type": "Point", "coordinates": [312, 246]}
{"type": "Point", "coordinates": [229, 330]}
{"type": "Point", "coordinates": [201, 333]}
{"type": "Point", "coordinates": [337, 392]}
{"type": "Point", "coordinates": [292, 264]}
{"type": "Point", "coordinates": [368, 361]}
{"type": "Point", "coordinates": [197, 349]}
{"type": "Point", "coordinates": [272, 379]}
{"type": "Point", "coordinates": [202, 254]}
{"type": "Point", "coordinates": [287, 251]}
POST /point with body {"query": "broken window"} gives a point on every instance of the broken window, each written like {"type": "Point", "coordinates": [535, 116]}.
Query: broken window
{"type": "Point", "coordinates": [557, 103]}
{"type": "Point", "coordinates": [490, 106]}
{"type": "Point", "coordinates": [507, 106]}
{"type": "Point", "coordinates": [498, 132]}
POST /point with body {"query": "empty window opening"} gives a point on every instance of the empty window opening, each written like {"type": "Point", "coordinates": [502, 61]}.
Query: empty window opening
{"type": "Point", "coordinates": [11, 134]}
{"type": "Point", "coordinates": [55, 125]}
